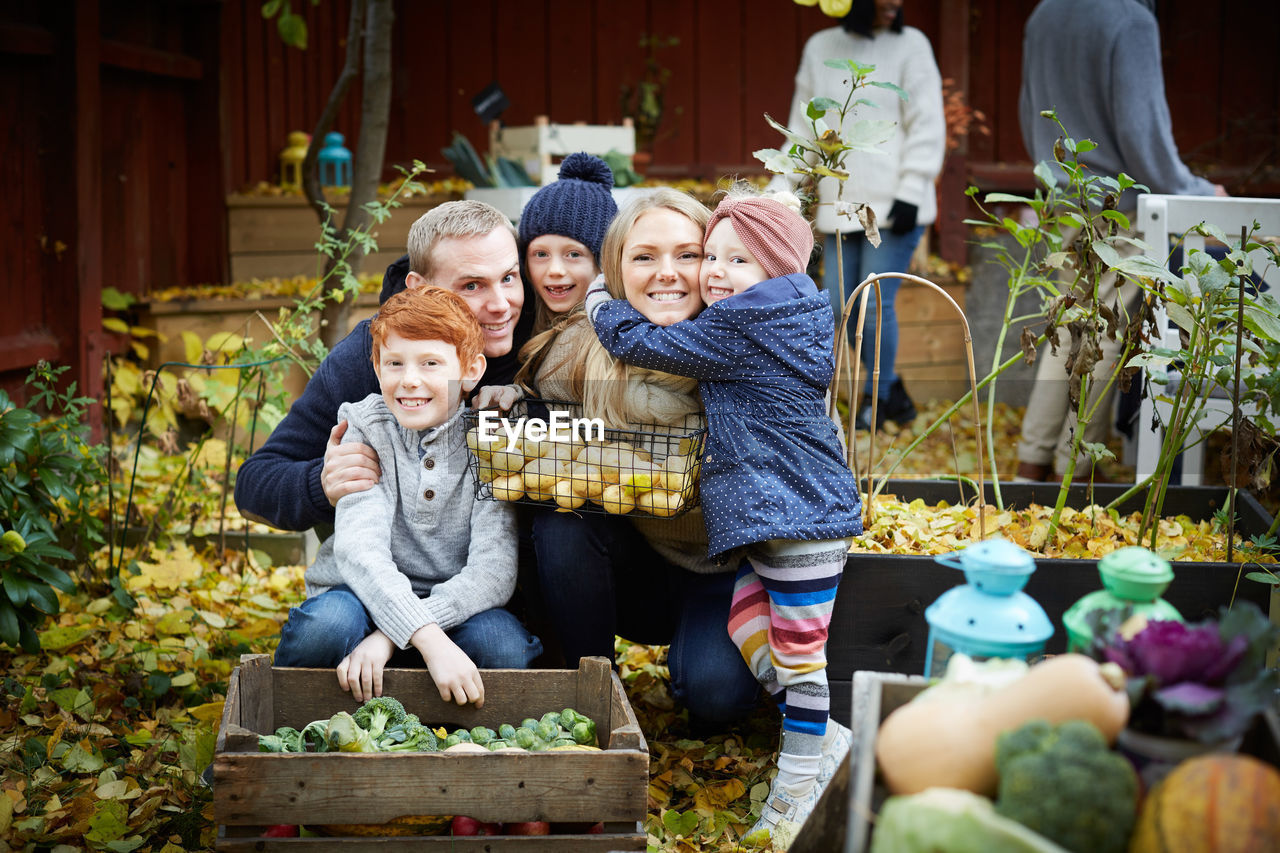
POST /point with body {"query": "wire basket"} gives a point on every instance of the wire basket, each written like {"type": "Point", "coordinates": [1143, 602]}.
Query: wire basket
{"type": "Point", "coordinates": [559, 459]}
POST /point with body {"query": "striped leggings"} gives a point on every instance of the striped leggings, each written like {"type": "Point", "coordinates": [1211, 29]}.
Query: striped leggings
{"type": "Point", "coordinates": [782, 602]}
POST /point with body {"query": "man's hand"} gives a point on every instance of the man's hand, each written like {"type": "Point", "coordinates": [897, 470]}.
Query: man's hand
{"type": "Point", "coordinates": [455, 675]}
{"type": "Point", "coordinates": [361, 671]}
{"type": "Point", "coordinates": [502, 396]}
{"type": "Point", "coordinates": [347, 468]}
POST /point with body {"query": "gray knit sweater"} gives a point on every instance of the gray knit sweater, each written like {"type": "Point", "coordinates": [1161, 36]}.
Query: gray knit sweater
{"type": "Point", "coordinates": [418, 547]}
{"type": "Point", "coordinates": [1097, 63]}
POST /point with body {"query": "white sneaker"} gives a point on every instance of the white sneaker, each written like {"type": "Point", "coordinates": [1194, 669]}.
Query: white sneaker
{"type": "Point", "coordinates": [784, 813]}
{"type": "Point", "coordinates": [835, 746]}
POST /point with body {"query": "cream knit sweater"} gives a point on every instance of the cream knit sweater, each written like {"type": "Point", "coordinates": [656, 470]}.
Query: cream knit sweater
{"type": "Point", "coordinates": [910, 161]}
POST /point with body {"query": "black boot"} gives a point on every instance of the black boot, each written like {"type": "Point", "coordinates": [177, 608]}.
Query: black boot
{"type": "Point", "coordinates": [899, 408]}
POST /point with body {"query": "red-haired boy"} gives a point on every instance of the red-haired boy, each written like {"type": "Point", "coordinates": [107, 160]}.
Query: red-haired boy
{"type": "Point", "coordinates": [415, 561]}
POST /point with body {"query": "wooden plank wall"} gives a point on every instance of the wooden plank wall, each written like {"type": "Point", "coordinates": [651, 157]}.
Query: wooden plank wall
{"type": "Point", "coordinates": [111, 166]}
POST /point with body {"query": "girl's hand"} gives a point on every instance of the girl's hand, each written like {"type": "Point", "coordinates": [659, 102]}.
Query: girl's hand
{"type": "Point", "coordinates": [361, 671]}
{"type": "Point", "coordinates": [502, 396]}
{"type": "Point", "coordinates": [455, 675]}
{"type": "Point", "coordinates": [597, 296]}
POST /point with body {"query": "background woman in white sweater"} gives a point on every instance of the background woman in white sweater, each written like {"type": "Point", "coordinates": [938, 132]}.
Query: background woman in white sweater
{"type": "Point", "coordinates": [898, 183]}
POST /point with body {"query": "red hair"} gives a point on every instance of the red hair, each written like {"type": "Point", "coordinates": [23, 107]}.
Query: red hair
{"type": "Point", "coordinates": [429, 314]}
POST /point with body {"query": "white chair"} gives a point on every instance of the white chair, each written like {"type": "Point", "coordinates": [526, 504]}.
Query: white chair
{"type": "Point", "coordinates": [1160, 220]}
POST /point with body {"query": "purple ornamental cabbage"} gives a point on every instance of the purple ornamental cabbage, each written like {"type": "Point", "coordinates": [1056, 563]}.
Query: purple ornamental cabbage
{"type": "Point", "coordinates": [1202, 681]}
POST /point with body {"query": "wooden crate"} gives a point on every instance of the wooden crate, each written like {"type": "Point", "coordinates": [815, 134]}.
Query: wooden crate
{"type": "Point", "coordinates": [535, 145]}
{"type": "Point", "coordinates": [253, 789]}
{"type": "Point", "coordinates": [275, 236]}
{"type": "Point", "coordinates": [208, 317]}
{"type": "Point", "coordinates": [877, 694]}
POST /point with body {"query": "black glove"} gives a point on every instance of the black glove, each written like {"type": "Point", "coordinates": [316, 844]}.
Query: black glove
{"type": "Point", "coordinates": [902, 217]}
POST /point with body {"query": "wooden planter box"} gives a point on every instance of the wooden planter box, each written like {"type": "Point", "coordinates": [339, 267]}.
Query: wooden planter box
{"type": "Point", "coordinates": [207, 317]}
{"type": "Point", "coordinates": [254, 789]}
{"type": "Point", "coordinates": [878, 622]}
{"type": "Point", "coordinates": [876, 695]}
{"type": "Point", "coordinates": [275, 236]}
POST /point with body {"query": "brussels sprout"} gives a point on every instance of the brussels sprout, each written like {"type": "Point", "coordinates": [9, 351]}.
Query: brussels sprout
{"type": "Point", "coordinates": [568, 717]}
{"type": "Point", "coordinates": [548, 730]}
{"type": "Point", "coordinates": [529, 723]}
{"type": "Point", "coordinates": [584, 732]}
{"type": "Point", "coordinates": [552, 717]}
{"type": "Point", "coordinates": [524, 738]}
{"type": "Point", "coordinates": [464, 736]}
{"type": "Point", "coordinates": [481, 735]}
{"type": "Point", "coordinates": [506, 731]}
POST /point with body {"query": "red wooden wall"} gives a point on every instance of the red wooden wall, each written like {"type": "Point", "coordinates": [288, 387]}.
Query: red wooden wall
{"type": "Point", "coordinates": [128, 121]}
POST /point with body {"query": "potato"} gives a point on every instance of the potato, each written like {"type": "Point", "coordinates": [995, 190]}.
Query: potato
{"type": "Point", "coordinates": [615, 499]}
{"type": "Point", "coordinates": [566, 497]}
{"type": "Point", "coordinates": [509, 488]}
{"type": "Point", "coordinates": [541, 474]}
{"type": "Point", "coordinates": [660, 503]}
{"type": "Point", "coordinates": [586, 479]}
{"type": "Point", "coordinates": [506, 461]}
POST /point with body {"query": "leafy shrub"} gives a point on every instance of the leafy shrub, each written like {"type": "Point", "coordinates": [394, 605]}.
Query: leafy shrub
{"type": "Point", "coordinates": [50, 474]}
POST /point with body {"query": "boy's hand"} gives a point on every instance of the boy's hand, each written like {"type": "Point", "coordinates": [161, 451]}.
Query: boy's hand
{"type": "Point", "coordinates": [502, 396]}
{"type": "Point", "coordinates": [455, 675]}
{"type": "Point", "coordinates": [597, 296]}
{"type": "Point", "coordinates": [347, 468]}
{"type": "Point", "coordinates": [361, 671]}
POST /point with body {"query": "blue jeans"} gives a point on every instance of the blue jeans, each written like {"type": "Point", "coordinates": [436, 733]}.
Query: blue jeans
{"type": "Point", "coordinates": [324, 629]}
{"type": "Point", "coordinates": [861, 260]}
{"type": "Point", "coordinates": [600, 577]}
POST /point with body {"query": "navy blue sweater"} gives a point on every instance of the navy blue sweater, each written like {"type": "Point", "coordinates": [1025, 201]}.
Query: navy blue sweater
{"type": "Point", "coordinates": [280, 483]}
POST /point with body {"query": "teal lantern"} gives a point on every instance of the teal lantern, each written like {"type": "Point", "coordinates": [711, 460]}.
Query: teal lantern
{"type": "Point", "coordinates": [334, 161]}
{"type": "Point", "coordinates": [989, 616]}
{"type": "Point", "coordinates": [1132, 578]}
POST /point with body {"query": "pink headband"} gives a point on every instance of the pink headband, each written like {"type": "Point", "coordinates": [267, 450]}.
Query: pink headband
{"type": "Point", "coordinates": [779, 237]}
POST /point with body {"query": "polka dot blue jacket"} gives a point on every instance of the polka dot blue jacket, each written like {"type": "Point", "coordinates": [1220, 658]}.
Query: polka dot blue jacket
{"type": "Point", "coordinates": [773, 466]}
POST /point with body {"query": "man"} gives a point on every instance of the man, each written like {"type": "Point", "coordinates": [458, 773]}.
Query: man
{"type": "Point", "coordinates": [295, 479]}
{"type": "Point", "coordinates": [1097, 64]}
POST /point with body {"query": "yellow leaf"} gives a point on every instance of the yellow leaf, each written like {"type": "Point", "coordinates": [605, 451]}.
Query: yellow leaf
{"type": "Point", "coordinates": [192, 347]}
{"type": "Point", "coordinates": [173, 571]}
{"type": "Point", "coordinates": [183, 679]}
{"type": "Point", "coordinates": [209, 712]}
{"type": "Point", "coordinates": [212, 619]}
{"type": "Point", "coordinates": [226, 342]}
{"type": "Point", "coordinates": [117, 790]}
{"type": "Point", "coordinates": [718, 795]}
{"type": "Point", "coordinates": [174, 623]}
{"type": "Point", "coordinates": [6, 815]}
{"type": "Point", "coordinates": [115, 324]}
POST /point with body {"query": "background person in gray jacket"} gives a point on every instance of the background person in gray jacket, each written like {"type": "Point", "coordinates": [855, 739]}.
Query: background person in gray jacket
{"type": "Point", "coordinates": [415, 560]}
{"type": "Point", "coordinates": [1097, 64]}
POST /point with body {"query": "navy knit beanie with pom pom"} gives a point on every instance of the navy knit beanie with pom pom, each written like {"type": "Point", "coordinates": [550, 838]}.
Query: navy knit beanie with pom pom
{"type": "Point", "coordinates": [579, 205]}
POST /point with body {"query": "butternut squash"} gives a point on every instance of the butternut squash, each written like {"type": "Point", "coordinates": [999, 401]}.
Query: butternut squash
{"type": "Point", "coordinates": [952, 742]}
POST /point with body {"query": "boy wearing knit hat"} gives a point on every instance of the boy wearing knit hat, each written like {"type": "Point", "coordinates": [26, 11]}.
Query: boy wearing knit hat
{"type": "Point", "coordinates": [778, 497]}
{"type": "Point", "coordinates": [560, 232]}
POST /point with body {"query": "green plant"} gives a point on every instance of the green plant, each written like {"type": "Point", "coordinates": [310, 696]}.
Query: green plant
{"type": "Point", "coordinates": [50, 475]}
{"type": "Point", "coordinates": [1224, 332]}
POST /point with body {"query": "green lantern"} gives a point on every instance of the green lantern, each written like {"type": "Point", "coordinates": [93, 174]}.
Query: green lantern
{"type": "Point", "coordinates": [1132, 577]}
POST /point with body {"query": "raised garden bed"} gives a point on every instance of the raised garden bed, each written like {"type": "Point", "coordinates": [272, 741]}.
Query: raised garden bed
{"type": "Point", "coordinates": [878, 622]}
{"type": "Point", "coordinates": [253, 790]}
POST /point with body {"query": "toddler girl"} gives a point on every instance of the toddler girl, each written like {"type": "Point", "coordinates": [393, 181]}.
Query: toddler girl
{"type": "Point", "coordinates": [776, 491]}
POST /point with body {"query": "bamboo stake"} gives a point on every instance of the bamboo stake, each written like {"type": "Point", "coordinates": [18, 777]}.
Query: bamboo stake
{"type": "Point", "coordinates": [874, 279]}
{"type": "Point", "coordinates": [1235, 399]}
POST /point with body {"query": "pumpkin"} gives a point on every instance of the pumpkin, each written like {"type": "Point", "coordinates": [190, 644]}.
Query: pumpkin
{"type": "Point", "coordinates": [951, 742]}
{"type": "Point", "coordinates": [1220, 803]}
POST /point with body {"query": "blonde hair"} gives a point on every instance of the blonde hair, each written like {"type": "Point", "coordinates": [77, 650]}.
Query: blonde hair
{"type": "Point", "coordinates": [453, 219]}
{"type": "Point", "coordinates": [597, 379]}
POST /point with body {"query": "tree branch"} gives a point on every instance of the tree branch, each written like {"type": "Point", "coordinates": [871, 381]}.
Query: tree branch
{"type": "Point", "coordinates": [350, 69]}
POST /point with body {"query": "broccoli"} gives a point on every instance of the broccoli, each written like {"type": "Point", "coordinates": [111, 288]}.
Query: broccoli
{"type": "Point", "coordinates": [344, 733]}
{"type": "Point", "coordinates": [1065, 783]}
{"type": "Point", "coordinates": [285, 739]}
{"type": "Point", "coordinates": [378, 713]}
{"type": "Point", "coordinates": [409, 736]}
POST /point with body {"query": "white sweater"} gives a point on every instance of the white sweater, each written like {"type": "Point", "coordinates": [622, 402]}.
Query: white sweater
{"type": "Point", "coordinates": [912, 158]}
